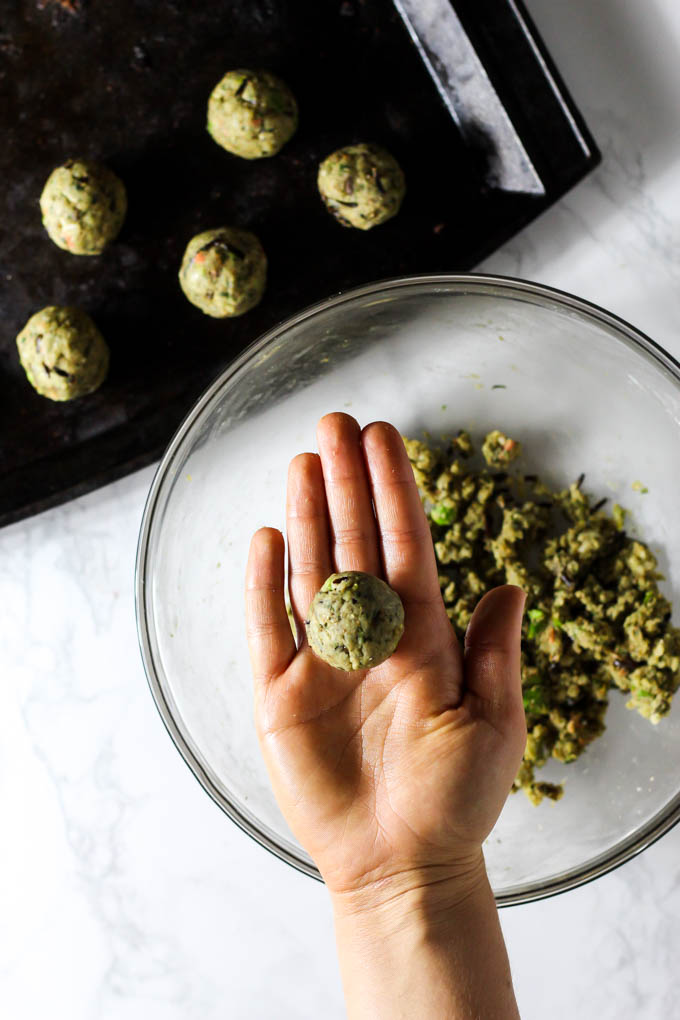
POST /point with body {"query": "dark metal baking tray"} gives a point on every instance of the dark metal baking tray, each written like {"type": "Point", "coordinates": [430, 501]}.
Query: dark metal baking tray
{"type": "Point", "coordinates": [487, 142]}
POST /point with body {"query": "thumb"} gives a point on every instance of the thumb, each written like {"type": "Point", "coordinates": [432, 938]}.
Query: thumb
{"type": "Point", "coordinates": [492, 649]}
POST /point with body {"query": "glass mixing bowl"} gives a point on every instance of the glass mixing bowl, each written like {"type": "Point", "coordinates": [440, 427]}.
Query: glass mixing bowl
{"type": "Point", "coordinates": [581, 389]}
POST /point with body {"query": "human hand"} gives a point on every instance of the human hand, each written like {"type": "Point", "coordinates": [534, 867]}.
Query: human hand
{"type": "Point", "coordinates": [390, 777]}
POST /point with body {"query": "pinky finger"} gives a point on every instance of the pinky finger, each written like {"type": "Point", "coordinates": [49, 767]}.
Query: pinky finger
{"type": "Point", "coordinates": [270, 638]}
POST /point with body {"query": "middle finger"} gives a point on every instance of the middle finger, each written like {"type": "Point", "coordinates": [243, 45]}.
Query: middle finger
{"type": "Point", "coordinates": [353, 528]}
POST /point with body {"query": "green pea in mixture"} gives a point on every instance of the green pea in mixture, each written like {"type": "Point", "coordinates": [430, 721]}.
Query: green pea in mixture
{"type": "Point", "coordinates": [595, 618]}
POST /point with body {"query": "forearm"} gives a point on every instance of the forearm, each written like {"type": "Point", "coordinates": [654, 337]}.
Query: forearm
{"type": "Point", "coordinates": [431, 952]}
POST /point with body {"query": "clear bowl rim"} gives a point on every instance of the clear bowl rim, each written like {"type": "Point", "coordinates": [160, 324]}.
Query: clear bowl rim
{"type": "Point", "coordinates": [626, 849]}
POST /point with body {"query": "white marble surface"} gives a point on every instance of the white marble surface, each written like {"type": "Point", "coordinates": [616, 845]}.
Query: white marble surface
{"type": "Point", "coordinates": [124, 893]}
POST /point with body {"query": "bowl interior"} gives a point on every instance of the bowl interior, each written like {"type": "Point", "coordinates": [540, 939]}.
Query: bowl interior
{"type": "Point", "coordinates": [580, 392]}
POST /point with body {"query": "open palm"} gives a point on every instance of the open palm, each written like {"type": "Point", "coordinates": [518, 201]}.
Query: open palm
{"type": "Point", "coordinates": [405, 766]}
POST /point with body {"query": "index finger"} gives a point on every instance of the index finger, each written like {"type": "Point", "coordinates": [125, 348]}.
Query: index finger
{"type": "Point", "coordinates": [405, 539]}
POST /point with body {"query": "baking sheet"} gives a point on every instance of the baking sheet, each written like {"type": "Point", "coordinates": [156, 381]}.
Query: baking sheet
{"type": "Point", "coordinates": [127, 83]}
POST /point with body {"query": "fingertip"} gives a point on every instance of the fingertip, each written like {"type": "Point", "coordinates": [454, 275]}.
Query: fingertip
{"type": "Point", "coordinates": [333, 425]}
{"type": "Point", "coordinates": [266, 554]}
{"type": "Point", "coordinates": [380, 431]}
{"type": "Point", "coordinates": [497, 618]}
{"type": "Point", "coordinates": [514, 599]}
{"type": "Point", "coordinates": [266, 536]}
{"type": "Point", "coordinates": [379, 424]}
{"type": "Point", "coordinates": [305, 485]}
{"type": "Point", "coordinates": [384, 449]}
{"type": "Point", "coordinates": [522, 596]}
{"type": "Point", "coordinates": [303, 464]}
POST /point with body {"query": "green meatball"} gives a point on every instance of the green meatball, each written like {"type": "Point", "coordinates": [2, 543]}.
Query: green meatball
{"type": "Point", "coordinates": [361, 185]}
{"type": "Point", "coordinates": [224, 271]}
{"type": "Point", "coordinates": [252, 113]}
{"type": "Point", "coordinates": [63, 353]}
{"type": "Point", "coordinates": [355, 621]}
{"type": "Point", "coordinates": [83, 206]}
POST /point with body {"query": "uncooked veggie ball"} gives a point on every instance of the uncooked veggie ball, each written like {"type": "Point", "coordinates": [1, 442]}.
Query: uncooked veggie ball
{"type": "Point", "coordinates": [361, 185]}
{"type": "Point", "coordinates": [83, 205]}
{"type": "Point", "coordinates": [63, 353]}
{"type": "Point", "coordinates": [224, 271]}
{"type": "Point", "coordinates": [252, 113]}
{"type": "Point", "coordinates": [355, 621]}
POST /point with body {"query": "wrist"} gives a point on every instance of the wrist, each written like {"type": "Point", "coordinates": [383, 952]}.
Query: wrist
{"type": "Point", "coordinates": [424, 899]}
{"type": "Point", "coordinates": [424, 944]}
